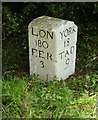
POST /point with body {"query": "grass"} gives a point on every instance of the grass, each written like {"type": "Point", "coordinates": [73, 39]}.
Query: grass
{"type": "Point", "coordinates": [31, 97]}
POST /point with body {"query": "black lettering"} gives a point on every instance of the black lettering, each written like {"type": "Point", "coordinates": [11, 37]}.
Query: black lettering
{"type": "Point", "coordinates": [39, 43]}
{"type": "Point", "coordinates": [74, 29]}
{"type": "Point", "coordinates": [33, 33]}
{"type": "Point", "coordinates": [66, 42]}
{"type": "Point", "coordinates": [51, 35]}
{"type": "Point", "coordinates": [49, 56]}
{"type": "Point", "coordinates": [67, 62]}
{"type": "Point", "coordinates": [34, 51]}
{"type": "Point", "coordinates": [69, 30]}
{"type": "Point", "coordinates": [61, 54]}
{"type": "Point", "coordinates": [42, 64]}
{"type": "Point", "coordinates": [45, 44]}
{"type": "Point", "coordinates": [67, 53]}
{"type": "Point", "coordinates": [66, 32]}
{"type": "Point", "coordinates": [42, 33]}
{"type": "Point", "coordinates": [72, 49]}
{"type": "Point", "coordinates": [41, 54]}
{"type": "Point", "coordinates": [61, 35]}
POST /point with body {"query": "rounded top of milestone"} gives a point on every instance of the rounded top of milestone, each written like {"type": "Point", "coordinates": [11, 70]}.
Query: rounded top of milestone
{"type": "Point", "coordinates": [50, 22]}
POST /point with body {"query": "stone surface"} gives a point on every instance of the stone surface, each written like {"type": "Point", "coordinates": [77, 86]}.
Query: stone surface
{"type": "Point", "coordinates": [52, 47]}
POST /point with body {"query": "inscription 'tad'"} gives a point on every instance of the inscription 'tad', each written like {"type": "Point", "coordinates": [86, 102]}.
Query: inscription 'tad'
{"type": "Point", "coordinates": [66, 53]}
{"type": "Point", "coordinates": [42, 33]}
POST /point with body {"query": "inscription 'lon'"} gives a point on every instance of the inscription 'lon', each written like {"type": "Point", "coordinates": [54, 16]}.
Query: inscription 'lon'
{"type": "Point", "coordinates": [43, 33]}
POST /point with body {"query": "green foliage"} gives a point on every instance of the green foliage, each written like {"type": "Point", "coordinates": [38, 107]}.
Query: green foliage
{"type": "Point", "coordinates": [10, 24]}
{"type": "Point", "coordinates": [56, 9]}
{"type": "Point", "coordinates": [35, 98]}
{"type": "Point", "coordinates": [88, 82]}
{"type": "Point", "coordinates": [17, 16]}
{"type": "Point", "coordinates": [14, 42]}
{"type": "Point", "coordinates": [96, 8]}
{"type": "Point", "coordinates": [32, 97]}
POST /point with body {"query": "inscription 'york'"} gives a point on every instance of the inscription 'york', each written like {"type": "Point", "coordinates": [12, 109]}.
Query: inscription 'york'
{"type": "Point", "coordinates": [67, 32]}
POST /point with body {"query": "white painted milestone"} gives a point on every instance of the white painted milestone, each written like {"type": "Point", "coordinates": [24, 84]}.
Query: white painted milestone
{"type": "Point", "coordinates": [52, 47]}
